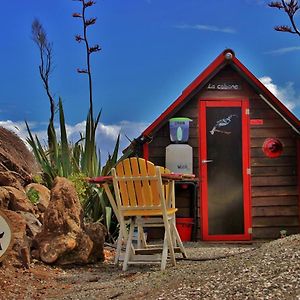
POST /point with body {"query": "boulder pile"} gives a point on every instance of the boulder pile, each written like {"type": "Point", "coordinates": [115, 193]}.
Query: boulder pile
{"type": "Point", "coordinates": [47, 224]}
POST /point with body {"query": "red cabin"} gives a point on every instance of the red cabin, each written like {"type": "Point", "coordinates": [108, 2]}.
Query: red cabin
{"type": "Point", "coordinates": [245, 149]}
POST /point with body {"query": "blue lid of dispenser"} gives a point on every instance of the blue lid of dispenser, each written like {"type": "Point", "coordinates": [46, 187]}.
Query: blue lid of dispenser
{"type": "Point", "coordinates": [179, 129]}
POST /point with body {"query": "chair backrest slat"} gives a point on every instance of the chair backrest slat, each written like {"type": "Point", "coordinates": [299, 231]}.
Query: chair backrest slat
{"type": "Point", "coordinates": [140, 197]}
{"type": "Point", "coordinates": [155, 189]}
{"type": "Point", "coordinates": [167, 187]}
{"type": "Point", "coordinates": [129, 182]}
{"type": "Point", "coordinates": [146, 189]}
{"type": "Point", "coordinates": [122, 185]}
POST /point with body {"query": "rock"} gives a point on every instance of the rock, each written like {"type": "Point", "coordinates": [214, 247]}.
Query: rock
{"type": "Point", "coordinates": [97, 233]}
{"type": "Point", "coordinates": [4, 198]}
{"type": "Point", "coordinates": [18, 200]}
{"type": "Point", "coordinates": [52, 247]}
{"type": "Point", "coordinates": [44, 195]}
{"type": "Point", "coordinates": [25, 257]}
{"type": "Point", "coordinates": [64, 213]}
{"type": "Point", "coordinates": [10, 179]}
{"type": "Point", "coordinates": [16, 157]}
{"type": "Point", "coordinates": [18, 226]}
{"type": "Point", "coordinates": [81, 253]}
{"type": "Point", "coordinates": [34, 226]}
{"type": "Point", "coordinates": [63, 239]}
{"type": "Point", "coordinates": [14, 199]}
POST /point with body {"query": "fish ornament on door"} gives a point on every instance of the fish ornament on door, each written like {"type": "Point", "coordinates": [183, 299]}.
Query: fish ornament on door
{"type": "Point", "coordinates": [222, 123]}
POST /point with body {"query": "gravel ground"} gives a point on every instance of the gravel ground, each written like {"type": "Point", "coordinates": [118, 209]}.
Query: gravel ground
{"type": "Point", "coordinates": [259, 271]}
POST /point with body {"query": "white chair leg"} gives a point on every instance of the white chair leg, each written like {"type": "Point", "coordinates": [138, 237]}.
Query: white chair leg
{"type": "Point", "coordinates": [122, 239]}
{"type": "Point", "coordinates": [128, 246]}
{"type": "Point", "coordinates": [178, 240]}
{"type": "Point", "coordinates": [119, 246]}
{"type": "Point", "coordinates": [169, 240]}
{"type": "Point", "coordinates": [142, 238]}
{"type": "Point", "coordinates": [164, 253]}
{"type": "Point", "coordinates": [173, 234]}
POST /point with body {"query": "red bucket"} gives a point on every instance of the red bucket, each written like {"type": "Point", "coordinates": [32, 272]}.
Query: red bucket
{"type": "Point", "coordinates": [184, 227]}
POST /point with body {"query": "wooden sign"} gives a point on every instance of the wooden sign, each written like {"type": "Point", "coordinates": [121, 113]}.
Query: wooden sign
{"type": "Point", "coordinates": [224, 86]}
{"type": "Point", "coordinates": [5, 235]}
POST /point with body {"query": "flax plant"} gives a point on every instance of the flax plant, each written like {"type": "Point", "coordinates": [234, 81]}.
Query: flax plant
{"type": "Point", "coordinates": [61, 158]}
{"type": "Point", "coordinates": [290, 7]}
{"type": "Point", "coordinates": [89, 160]}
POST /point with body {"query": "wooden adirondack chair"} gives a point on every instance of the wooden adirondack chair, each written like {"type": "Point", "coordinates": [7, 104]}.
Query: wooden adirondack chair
{"type": "Point", "coordinates": [144, 195]}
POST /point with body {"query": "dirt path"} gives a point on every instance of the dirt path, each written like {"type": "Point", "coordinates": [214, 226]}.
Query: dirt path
{"type": "Point", "coordinates": [271, 271]}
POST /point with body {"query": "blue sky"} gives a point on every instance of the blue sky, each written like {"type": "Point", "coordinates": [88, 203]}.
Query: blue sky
{"type": "Point", "coordinates": [151, 50]}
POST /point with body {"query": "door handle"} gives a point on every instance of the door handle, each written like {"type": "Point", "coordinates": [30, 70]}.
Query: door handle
{"type": "Point", "coordinates": [205, 161]}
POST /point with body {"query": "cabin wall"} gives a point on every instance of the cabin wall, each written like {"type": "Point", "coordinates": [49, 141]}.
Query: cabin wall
{"type": "Point", "coordinates": [274, 181]}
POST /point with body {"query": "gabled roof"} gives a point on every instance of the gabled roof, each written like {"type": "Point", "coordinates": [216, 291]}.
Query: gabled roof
{"type": "Point", "coordinates": [227, 57]}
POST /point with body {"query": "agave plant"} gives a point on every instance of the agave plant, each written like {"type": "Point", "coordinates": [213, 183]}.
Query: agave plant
{"type": "Point", "coordinates": [76, 162]}
{"type": "Point", "coordinates": [54, 160]}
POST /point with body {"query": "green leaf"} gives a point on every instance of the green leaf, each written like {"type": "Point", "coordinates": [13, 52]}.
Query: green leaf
{"type": "Point", "coordinates": [65, 155]}
{"type": "Point", "coordinates": [52, 143]}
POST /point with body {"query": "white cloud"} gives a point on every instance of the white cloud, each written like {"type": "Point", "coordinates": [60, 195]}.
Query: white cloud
{"type": "Point", "coordinates": [109, 131]}
{"type": "Point", "coordinates": [106, 135]}
{"type": "Point", "coordinates": [286, 94]}
{"type": "Point", "coordinates": [281, 51]}
{"type": "Point", "coordinates": [207, 28]}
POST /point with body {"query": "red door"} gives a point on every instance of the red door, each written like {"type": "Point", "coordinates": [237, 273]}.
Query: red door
{"type": "Point", "coordinates": [224, 170]}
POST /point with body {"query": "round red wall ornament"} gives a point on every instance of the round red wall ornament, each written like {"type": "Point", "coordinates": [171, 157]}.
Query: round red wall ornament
{"type": "Point", "coordinates": [272, 147]}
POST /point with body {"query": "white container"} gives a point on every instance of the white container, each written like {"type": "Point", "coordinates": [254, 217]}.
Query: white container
{"type": "Point", "coordinates": [179, 158]}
